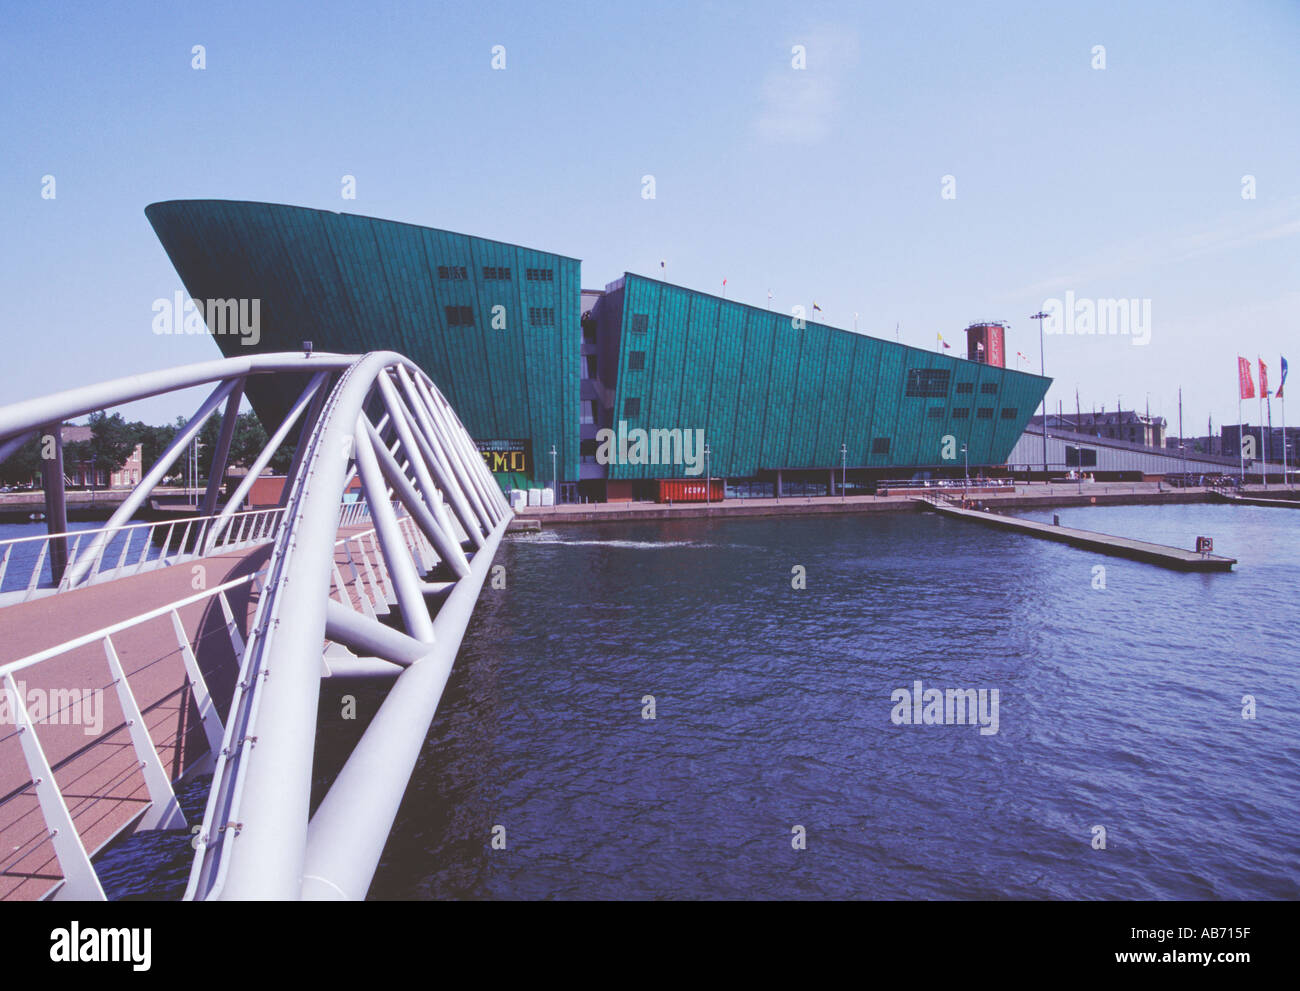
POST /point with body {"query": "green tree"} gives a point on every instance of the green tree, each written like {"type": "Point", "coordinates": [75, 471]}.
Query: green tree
{"type": "Point", "coordinates": [24, 464]}
{"type": "Point", "coordinates": [111, 442]}
{"type": "Point", "coordinates": [246, 444]}
{"type": "Point", "coordinates": [152, 440]}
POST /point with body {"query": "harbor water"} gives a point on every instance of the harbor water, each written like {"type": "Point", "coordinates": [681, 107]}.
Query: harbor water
{"type": "Point", "coordinates": [1147, 738]}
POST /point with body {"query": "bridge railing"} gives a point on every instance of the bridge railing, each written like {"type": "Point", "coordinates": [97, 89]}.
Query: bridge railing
{"type": "Point", "coordinates": [361, 581]}
{"type": "Point", "coordinates": [37, 719]}
{"type": "Point", "coordinates": [416, 540]}
{"type": "Point", "coordinates": [121, 551]}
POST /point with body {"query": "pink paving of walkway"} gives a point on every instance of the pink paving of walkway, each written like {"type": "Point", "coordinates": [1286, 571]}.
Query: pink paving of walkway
{"type": "Point", "coordinates": [100, 775]}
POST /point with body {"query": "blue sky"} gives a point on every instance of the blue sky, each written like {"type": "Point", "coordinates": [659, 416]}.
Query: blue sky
{"type": "Point", "coordinates": [819, 184]}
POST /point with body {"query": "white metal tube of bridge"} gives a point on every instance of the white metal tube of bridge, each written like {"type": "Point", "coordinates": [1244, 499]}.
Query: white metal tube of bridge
{"type": "Point", "coordinates": [271, 796]}
{"type": "Point", "coordinates": [401, 566]}
{"type": "Point", "coordinates": [348, 833]}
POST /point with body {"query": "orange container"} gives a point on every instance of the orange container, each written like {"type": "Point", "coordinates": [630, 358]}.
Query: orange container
{"type": "Point", "coordinates": [690, 490]}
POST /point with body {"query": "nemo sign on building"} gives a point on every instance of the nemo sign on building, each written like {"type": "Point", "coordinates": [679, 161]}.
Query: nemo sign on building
{"type": "Point", "coordinates": [503, 456]}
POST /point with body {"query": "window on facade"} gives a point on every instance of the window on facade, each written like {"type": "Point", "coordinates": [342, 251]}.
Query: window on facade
{"type": "Point", "coordinates": [631, 407]}
{"type": "Point", "coordinates": [1009, 412]}
{"type": "Point", "coordinates": [880, 445]}
{"type": "Point", "coordinates": [539, 275]}
{"type": "Point", "coordinates": [588, 411]}
{"type": "Point", "coordinates": [961, 413]}
{"type": "Point", "coordinates": [927, 382]}
{"type": "Point", "coordinates": [965, 387]}
{"type": "Point", "coordinates": [985, 413]}
{"type": "Point", "coordinates": [635, 361]}
{"type": "Point", "coordinates": [452, 272]}
{"type": "Point", "coordinates": [496, 274]}
{"type": "Point", "coordinates": [1080, 457]}
{"type": "Point", "coordinates": [989, 388]}
{"type": "Point", "coordinates": [541, 316]}
{"type": "Point", "coordinates": [640, 323]}
{"type": "Point", "coordinates": [936, 413]}
{"type": "Point", "coordinates": [460, 316]}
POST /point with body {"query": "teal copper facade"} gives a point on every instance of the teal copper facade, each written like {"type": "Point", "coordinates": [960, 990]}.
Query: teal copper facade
{"type": "Point", "coordinates": [497, 327]}
{"type": "Point", "coordinates": [770, 395]}
{"type": "Point", "coordinates": [352, 284]}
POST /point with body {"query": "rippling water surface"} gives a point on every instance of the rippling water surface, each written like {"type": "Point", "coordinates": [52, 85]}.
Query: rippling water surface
{"type": "Point", "coordinates": [1119, 707]}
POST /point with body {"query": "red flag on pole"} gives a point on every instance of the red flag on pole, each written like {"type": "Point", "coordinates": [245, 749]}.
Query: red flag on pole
{"type": "Point", "coordinates": [1244, 379]}
{"type": "Point", "coordinates": [1263, 379]}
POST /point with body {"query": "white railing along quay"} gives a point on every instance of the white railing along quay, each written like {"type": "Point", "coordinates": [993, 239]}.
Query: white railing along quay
{"type": "Point", "coordinates": [110, 561]}
{"type": "Point", "coordinates": [116, 559]}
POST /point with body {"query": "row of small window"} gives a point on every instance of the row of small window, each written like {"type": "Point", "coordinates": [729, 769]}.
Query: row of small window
{"type": "Point", "coordinates": [632, 407]}
{"type": "Point", "coordinates": [982, 413]}
{"type": "Point", "coordinates": [463, 316]}
{"type": "Point", "coordinates": [932, 383]}
{"type": "Point", "coordinates": [499, 273]}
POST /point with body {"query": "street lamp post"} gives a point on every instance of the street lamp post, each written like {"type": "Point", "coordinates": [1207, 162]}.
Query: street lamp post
{"type": "Point", "coordinates": [708, 477]}
{"type": "Point", "coordinates": [844, 471]}
{"type": "Point", "coordinates": [966, 478]}
{"type": "Point", "coordinates": [1040, 316]}
{"type": "Point", "coordinates": [555, 475]}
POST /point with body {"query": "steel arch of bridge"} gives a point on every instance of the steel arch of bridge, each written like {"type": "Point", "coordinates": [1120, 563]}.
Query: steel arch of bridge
{"type": "Point", "coordinates": [438, 519]}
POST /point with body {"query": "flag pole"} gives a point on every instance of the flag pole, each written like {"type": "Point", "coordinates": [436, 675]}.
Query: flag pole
{"type": "Point", "coordinates": [1241, 448]}
{"type": "Point", "coordinates": [1269, 404]}
{"type": "Point", "coordinates": [1263, 441]}
{"type": "Point", "coordinates": [1241, 436]}
{"type": "Point", "coordinates": [1286, 481]}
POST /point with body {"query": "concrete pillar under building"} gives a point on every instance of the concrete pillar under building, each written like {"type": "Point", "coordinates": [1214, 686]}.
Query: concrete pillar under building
{"type": "Point", "coordinates": [778, 483]}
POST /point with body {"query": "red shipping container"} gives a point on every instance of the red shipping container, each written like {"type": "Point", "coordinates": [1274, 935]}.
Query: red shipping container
{"type": "Point", "coordinates": [690, 490]}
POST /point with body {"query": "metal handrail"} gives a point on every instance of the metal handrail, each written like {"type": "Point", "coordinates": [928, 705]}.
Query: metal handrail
{"type": "Point", "coordinates": [10, 667]}
{"type": "Point", "coordinates": [80, 879]}
{"type": "Point", "coordinates": [246, 527]}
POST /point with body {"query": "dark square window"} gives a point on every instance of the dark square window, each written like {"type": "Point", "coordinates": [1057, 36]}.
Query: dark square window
{"type": "Point", "coordinates": [880, 445]}
{"type": "Point", "coordinates": [460, 316]}
{"type": "Point", "coordinates": [631, 407]}
{"type": "Point", "coordinates": [985, 413]}
{"type": "Point", "coordinates": [1010, 412]}
{"type": "Point", "coordinates": [539, 275]}
{"type": "Point", "coordinates": [964, 388]}
{"type": "Point", "coordinates": [495, 274]}
{"type": "Point", "coordinates": [989, 388]}
{"type": "Point", "coordinates": [927, 383]}
{"type": "Point", "coordinates": [961, 413]}
{"type": "Point", "coordinates": [635, 361]}
{"type": "Point", "coordinates": [541, 316]}
{"type": "Point", "coordinates": [640, 323]}
{"type": "Point", "coordinates": [936, 412]}
{"type": "Point", "coordinates": [452, 272]}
